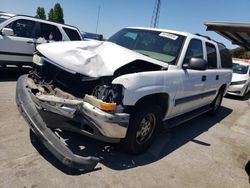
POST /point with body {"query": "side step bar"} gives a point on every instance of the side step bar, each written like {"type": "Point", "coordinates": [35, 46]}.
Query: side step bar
{"type": "Point", "coordinates": [185, 117]}
{"type": "Point", "coordinates": [27, 108]}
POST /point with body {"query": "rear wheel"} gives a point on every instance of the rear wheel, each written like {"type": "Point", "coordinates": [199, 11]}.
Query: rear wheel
{"type": "Point", "coordinates": [143, 126]}
{"type": "Point", "coordinates": [216, 104]}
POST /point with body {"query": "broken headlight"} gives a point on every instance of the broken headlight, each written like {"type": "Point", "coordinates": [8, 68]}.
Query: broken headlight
{"type": "Point", "coordinates": [38, 60]}
{"type": "Point", "coordinates": [109, 94]}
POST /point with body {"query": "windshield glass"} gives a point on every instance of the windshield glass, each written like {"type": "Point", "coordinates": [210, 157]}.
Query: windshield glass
{"type": "Point", "coordinates": [3, 18]}
{"type": "Point", "coordinates": [162, 46]}
{"type": "Point", "coordinates": [240, 69]}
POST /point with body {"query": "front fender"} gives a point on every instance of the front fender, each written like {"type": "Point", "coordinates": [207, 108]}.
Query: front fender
{"type": "Point", "coordinates": [138, 85]}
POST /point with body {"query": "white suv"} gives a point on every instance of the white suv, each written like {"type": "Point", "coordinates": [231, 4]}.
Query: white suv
{"type": "Point", "coordinates": [122, 89]}
{"type": "Point", "coordinates": [20, 34]}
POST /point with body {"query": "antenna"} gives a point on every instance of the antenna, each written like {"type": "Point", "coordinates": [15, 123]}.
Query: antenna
{"type": "Point", "coordinates": [156, 14]}
{"type": "Point", "coordinates": [97, 22]}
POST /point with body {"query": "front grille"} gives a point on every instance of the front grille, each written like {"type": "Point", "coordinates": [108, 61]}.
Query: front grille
{"type": "Point", "coordinates": [74, 84]}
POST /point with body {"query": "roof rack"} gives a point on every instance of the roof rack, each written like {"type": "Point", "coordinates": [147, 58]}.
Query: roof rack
{"type": "Point", "coordinates": [207, 37]}
{"type": "Point", "coordinates": [47, 20]}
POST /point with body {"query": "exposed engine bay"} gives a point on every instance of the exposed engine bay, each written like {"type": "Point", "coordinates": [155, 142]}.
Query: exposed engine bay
{"type": "Point", "coordinates": [51, 80]}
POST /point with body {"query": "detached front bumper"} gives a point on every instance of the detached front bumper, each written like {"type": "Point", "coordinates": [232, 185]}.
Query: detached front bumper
{"type": "Point", "coordinates": [29, 111]}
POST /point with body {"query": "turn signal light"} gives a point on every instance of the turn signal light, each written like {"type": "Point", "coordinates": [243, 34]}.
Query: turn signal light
{"type": "Point", "coordinates": [99, 103]}
{"type": "Point", "coordinates": [107, 106]}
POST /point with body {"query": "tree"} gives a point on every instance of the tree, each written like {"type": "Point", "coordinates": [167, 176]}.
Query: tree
{"type": "Point", "coordinates": [58, 14]}
{"type": "Point", "coordinates": [40, 13]}
{"type": "Point", "coordinates": [240, 53]}
{"type": "Point", "coordinates": [51, 15]}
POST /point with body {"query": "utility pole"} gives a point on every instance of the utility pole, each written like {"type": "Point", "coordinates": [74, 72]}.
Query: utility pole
{"type": "Point", "coordinates": [97, 22]}
{"type": "Point", "coordinates": [156, 14]}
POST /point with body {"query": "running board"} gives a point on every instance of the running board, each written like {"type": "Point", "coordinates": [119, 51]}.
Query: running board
{"type": "Point", "coordinates": [185, 117]}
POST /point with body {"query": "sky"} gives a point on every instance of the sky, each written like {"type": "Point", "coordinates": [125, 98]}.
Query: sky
{"type": "Point", "coordinates": [182, 15]}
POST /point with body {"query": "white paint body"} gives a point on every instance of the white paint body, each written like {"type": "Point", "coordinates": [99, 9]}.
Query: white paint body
{"type": "Point", "coordinates": [96, 59]}
{"type": "Point", "coordinates": [240, 89]}
{"type": "Point", "coordinates": [19, 50]}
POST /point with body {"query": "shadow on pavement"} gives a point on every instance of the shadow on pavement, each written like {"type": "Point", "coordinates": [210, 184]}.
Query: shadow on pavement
{"type": "Point", "coordinates": [247, 169]}
{"type": "Point", "coordinates": [112, 155]}
{"type": "Point", "coordinates": [12, 73]}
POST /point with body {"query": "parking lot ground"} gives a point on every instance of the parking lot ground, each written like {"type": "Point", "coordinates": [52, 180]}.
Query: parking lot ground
{"type": "Point", "coordinates": [204, 152]}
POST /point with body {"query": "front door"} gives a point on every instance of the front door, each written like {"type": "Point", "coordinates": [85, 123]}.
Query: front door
{"type": "Point", "coordinates": [192, 88]}
{"type": "Point", "coordinates": [19, 48]}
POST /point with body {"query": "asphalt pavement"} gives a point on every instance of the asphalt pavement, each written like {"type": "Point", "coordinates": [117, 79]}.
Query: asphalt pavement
{"type": "Point", "coordinates": [203, 152]}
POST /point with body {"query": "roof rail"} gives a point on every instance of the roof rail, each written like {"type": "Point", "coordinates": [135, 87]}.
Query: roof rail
{"type": "Point", "coordinates": [47, 20]}
{"type": "Point", "coordinates": [207, 37]}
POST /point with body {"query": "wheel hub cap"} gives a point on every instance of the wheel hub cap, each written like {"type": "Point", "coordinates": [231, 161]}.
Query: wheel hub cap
{"type": "Point", "coordinates": [146, 128]}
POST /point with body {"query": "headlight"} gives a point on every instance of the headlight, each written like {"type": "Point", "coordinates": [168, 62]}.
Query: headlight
{"type": "Point", "coordinates": [37, 60]}
{"type": "Point", "coordinates": [239, 82]}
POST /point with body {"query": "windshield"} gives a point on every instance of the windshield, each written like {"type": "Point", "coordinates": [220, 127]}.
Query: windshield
{"type": "Point", "coordinates": [3, 18]}
{"type": "Point", "coordinates": [162, 46]}
{"type": "Point", "coordinates": [240, 69]}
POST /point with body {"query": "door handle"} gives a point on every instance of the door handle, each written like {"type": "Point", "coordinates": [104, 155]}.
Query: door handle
{"type": "Point", "coordinates": [203, 78]}
{"type": "Point", "coordinates": [30, 42]}
{"type": "Point", "coordinates": [217, 77]}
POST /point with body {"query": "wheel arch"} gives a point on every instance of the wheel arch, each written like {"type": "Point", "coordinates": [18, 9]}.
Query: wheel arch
{"type": "Point", "coordinates": [223, 88]}
{"type": "Point", "coordinates": [161, 99]}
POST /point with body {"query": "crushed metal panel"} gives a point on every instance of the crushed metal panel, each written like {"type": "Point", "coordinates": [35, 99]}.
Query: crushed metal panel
{"type": "Point", "coordinates": [237, 33]}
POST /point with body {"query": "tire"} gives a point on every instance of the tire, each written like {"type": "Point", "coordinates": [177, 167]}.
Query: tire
{"type": "Point", "coordinates": [143, 127]}
{"type": "Point", "coordinates": [216, 104]}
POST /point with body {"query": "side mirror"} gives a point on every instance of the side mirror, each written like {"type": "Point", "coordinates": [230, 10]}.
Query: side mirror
{"type": "Point", "coordinates": [196, 64]}
{"type": "Point", "coordinates": [7, 32]}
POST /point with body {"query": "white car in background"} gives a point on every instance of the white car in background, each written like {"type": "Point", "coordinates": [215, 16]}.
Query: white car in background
{"type": "Point", "coordinates": [240, 84]}
{"type": "Point", "coordinates": [20, 34]}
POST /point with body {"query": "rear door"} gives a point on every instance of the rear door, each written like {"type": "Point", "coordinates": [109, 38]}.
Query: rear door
{"type": "Point", "coordinates": [213, 73]}
{"type": "Point", "coordinates": [19, 49]}
{"type": "Point", "coordinates": [49, 32]}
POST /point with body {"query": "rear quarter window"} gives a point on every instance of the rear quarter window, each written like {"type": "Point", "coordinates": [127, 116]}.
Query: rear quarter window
{"type": "Point", "coordinates": [72, 34]}
{"type": "Point", "coordinates": [226, 57]}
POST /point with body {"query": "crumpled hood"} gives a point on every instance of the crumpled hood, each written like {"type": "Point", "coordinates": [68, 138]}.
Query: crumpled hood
{"type": "Point", "coordinates": [92, 58]}
{"type": "Point", "coordinates": [239, 77]}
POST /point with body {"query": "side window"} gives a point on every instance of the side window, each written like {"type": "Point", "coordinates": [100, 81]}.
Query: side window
{"type": "Point", "coordinates": [226, 57]}
{"type": "Point", "coordinates": [50, 32]}
{"type": "Point", "coordinates": [211, 56]}
{"type": "Point", "coordinates": [23, 28]}
{"type": "Point", "coordinates": [194, 50]}
{"type": "Point", "coordinates": [72, 33]}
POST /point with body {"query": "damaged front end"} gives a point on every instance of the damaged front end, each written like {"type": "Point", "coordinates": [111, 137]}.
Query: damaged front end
{"type": "Point", "coordinates": [73, 84]}
{"type": "Point", "coordinates": [88, 106]}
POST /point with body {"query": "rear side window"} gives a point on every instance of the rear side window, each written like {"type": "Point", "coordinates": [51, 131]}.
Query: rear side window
{"type": "Point", "coordinates": [226, 58]}
{"type": "Point", "coordinates": [194, 49]}
{"type": "Point", "coordinates": [211, 56]}
{"type": "Point", "coordinates": [72, 33]}
{"type": "Point", "coordinates": [50, 32]}
{"type": "Point", "coordinates": [23, 28]}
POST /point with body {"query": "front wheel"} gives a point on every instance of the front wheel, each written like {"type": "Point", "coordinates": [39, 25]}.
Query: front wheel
{"type": "Point", "coordinates": [216, 104]}
{"type": "Point", "coordinates": [143, 126]}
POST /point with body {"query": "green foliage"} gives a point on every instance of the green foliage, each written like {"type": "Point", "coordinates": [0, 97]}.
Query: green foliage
{"type": "Point", "coordinates": [58, 13]}
{"type": "Point", "coordinates": [40, 13]}
{"type": "Point", "coordinates": [51, 15]}
{"type": "Point", "coordinates": [55, 14]}
{"type": "Point", "coordinates": [241, 53]}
